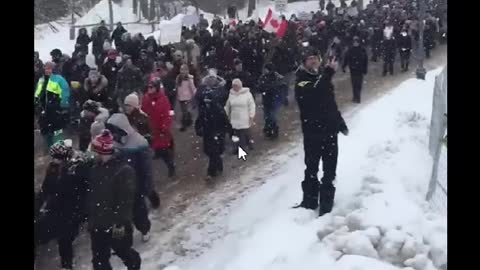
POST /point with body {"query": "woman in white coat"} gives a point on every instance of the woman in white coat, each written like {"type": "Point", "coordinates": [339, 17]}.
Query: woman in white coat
{"type": "Point", "coordinates": [240, 110]}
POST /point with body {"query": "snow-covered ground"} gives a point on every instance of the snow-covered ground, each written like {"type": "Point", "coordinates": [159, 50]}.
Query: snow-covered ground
{"type": "Point", "coordinates": [380, 218]}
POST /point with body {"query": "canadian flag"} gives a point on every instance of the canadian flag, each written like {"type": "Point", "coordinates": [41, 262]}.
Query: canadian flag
{"type": "Point", "coordinates": [274, 24]}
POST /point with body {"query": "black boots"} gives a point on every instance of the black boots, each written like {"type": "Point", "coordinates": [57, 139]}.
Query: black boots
{"type": "Point", "coordinates": [310, 194]}
{"type": "Point", "coordinates": [154, 199]}
{"type": "Point", "coordinates": [327, 196]}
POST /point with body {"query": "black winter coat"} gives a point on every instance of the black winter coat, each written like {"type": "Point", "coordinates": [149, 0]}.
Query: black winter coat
{"type": "Point", "coordinates": [316, 100]}
{"type": "Point", "coordinates": [83, 41]}
{"type": "Point", "coordinates": [212, 122]}
{"type": "Point", "coordinates": [405, 43]}
{"type": "Point", "coordinates": [356, 59]}
{"type": "Point", "coordinates": [117, 36]}
{"type": "Point", "coordinates": [110, 70]}
{"type": "Point", "coordinates": [271, 86]}
{"type": "Point", "coordinates": [129, 80]}
{"type": "Point", "coordinates": [111, 196]}
{"type": "Point", "coordinates": [64, 191]}
{"type": "Point", "coordinates": [388, 49]}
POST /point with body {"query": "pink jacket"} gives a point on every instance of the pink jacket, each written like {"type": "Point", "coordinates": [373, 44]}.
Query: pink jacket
{"type": "Point", "coordinates": [186, 89]}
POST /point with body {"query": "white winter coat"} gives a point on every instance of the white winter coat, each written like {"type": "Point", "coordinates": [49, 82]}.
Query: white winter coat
{"type": "Point", "coordinates": [240, 108]}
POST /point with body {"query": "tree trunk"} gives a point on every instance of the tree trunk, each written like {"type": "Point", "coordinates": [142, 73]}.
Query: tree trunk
{"type": "Point", "coordinates": [152, 11]}
{"type": "Point", "coordinates": [144, 8]}
{"type": "Point", "coordinates": [251, 7]}
{"type": "Point", "coordinates": [360, 5]}
{"type": "Point", "coordinates": [110, 12]}
{"type": "Point", "coordinates": [135, 6]}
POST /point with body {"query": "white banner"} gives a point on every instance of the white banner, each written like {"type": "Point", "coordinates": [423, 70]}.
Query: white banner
{"type": "Point", "coordinates": [281, 5]}
{"type": "Point", "coordinates": [170, 33]}
{"type": "Point", "coordinates": [304, 16]}
{"type": "Point", "coordinates": [191, 19]}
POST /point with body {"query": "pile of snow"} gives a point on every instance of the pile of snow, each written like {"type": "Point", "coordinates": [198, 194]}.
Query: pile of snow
{"type": "Point", "coordinates": [380, 219]}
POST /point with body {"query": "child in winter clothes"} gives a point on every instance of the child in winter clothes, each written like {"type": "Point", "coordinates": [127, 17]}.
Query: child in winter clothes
{"type": "Point", "coordinates": [185, 91]}
{"type": "Point", "coordinates": [157, 107]}
{"type": "Point", "coordinates": [240, 109]}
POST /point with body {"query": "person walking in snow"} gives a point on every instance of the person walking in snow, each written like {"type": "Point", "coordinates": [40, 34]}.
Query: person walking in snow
{"type": "Point", "coordinates": [134, 148]}
{"type": "Point", "coordinates": [321, 121]}
{"type": "Point", "coordinates": [110, 204]}
{"type": "Point", "coordinates": [92, 121]}
{"type": "Point", "coordinates": [356, 59]}
{"type": "Point", "coordinates": [212, 123]}
{"type": "Point", "coordinates": [138, 119]}
{"type": "Point", "coordinates": [83, 40]}
{"type": "Point", "coordinates": [96, 86]}
{"type": "Point", "coordinates": [156, 105]}
{"type": "Point", "coordinates": [271, 85]}
{"type": "Point", "coordinates": [405, 48]}
{"type": "Point", "coordinates": [240, 110]}
{"type": "Point", "coordinates": [59, 206]}
{"type": "Point", "coordinates": [52, 97]}
{"type": "Point", "coordinates": [185, 92]}
{"type": "Point", "coordinates": [388, 49]}
{"type": "Point", "coordinates": [117, 36]}
{"type": "Point", "coordinates": [129, 80]}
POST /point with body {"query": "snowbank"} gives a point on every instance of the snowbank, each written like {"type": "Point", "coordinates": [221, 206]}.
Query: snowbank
{"type": "Point", "coordinates": [380, 219]}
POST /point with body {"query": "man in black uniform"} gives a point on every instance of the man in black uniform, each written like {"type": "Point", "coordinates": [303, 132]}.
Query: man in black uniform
{"type": "Point", "coordinates": [321, 122]}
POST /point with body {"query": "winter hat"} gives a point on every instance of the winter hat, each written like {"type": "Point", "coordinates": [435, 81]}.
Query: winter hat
{"type": "Point", "coordinates": [56, 53]}
{"type": "Point", "coordinates": [61, 150]}
{"type": "Point", "coordinates": [132, 100]}
{"type": "Point", "coordinates": [103, 143]}
{"type": "Point", "coordinates": [93, 74]}
{"type": "Point", "coordinates": [309, 51]}
{"type": "Point", "coordinates": [91, 106]}
{"type": "Point", "coordinates": [50, 65]}
{"type": "Point", "coordinates": [237, 82]}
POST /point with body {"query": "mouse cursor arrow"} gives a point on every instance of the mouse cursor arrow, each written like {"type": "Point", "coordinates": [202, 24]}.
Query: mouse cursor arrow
{"type": "Point", "coordinates": [242, 154]}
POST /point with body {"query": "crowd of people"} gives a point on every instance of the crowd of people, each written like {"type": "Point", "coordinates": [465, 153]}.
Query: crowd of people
{"type": "Point", "coordinates": [121, 96]}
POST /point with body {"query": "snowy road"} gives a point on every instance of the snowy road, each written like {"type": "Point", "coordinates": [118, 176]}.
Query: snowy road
{"type": "Point", "coordinates": [235, 222]}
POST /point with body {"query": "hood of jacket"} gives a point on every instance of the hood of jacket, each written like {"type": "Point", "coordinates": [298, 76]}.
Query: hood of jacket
{"type": "Point", "coordinates": [133, 141]}
{"type": "Point", "coordinates": [103, 115]}
{"type": "Point", "coordinates": [242, 91]}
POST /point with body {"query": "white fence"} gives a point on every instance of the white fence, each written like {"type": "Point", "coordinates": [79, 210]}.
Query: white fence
{"type": "Point", "coordinates": [437, 190]}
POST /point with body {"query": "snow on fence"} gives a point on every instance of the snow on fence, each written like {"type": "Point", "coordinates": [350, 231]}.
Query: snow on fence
{"type": "Point", "coordinates": [437, 190]}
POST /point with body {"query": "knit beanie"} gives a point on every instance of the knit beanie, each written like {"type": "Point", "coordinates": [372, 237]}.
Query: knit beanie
{"type": "Point", "coordinates": [61, 150]}
{"type": "Point", "coordinates": [132, 100]}
{"type": "Point", "coordinates": [103, 143]}
{"type": "Point", "coordinates": [237, 82]}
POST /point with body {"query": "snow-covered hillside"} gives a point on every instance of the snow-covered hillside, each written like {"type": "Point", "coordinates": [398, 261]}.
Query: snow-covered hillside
{"type": "Point", "coordinates": [380, 220]}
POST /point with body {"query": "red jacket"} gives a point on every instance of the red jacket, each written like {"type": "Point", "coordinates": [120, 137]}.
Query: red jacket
{"type": "Point", "coordinates": [158, 107]}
